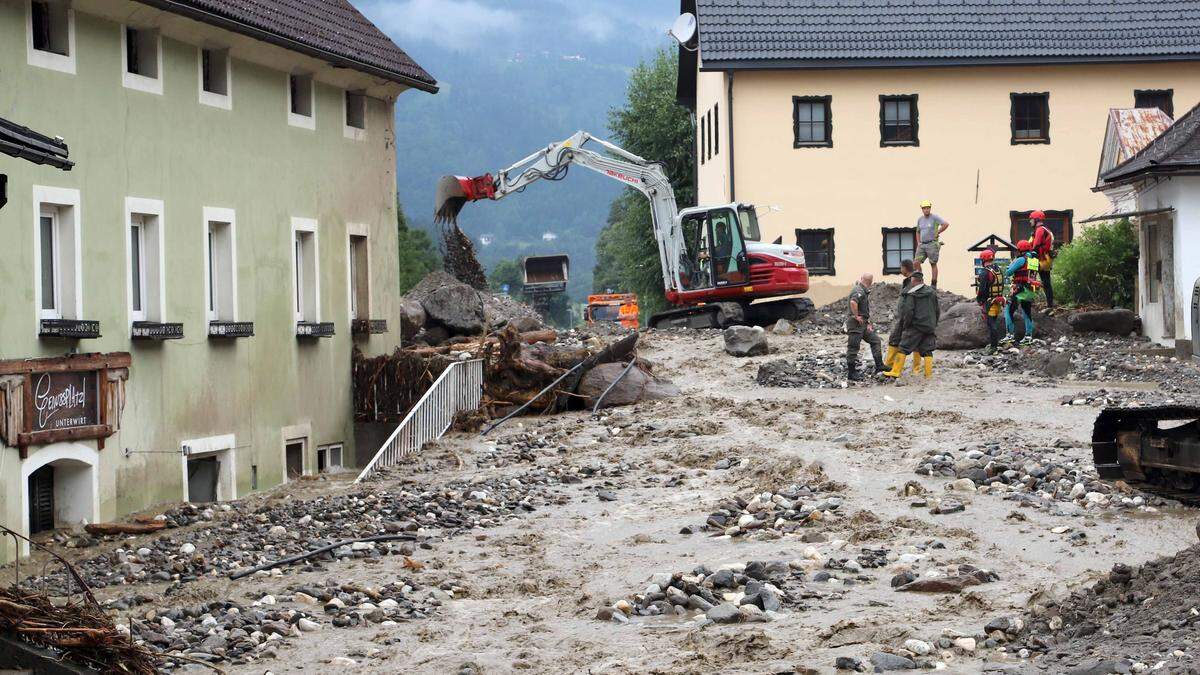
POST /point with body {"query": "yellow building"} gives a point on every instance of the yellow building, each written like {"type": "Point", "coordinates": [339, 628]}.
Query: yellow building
{"type": "Point", "coordinates": [841, 118]}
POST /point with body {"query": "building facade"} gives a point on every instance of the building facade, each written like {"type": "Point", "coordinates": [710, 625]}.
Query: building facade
{"type": "Point", "coordinates": [843, 119]}
{"type": "Point", "coordinates": [1158, 190]}
{"type": "Point", "coordinates": [179, 309]}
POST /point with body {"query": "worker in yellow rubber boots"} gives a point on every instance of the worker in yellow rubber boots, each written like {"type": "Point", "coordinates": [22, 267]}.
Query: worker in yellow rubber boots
{"type": "Point", "coordinates": [906, 270]}
{"type": "Point", "coordinates": [919, 323]}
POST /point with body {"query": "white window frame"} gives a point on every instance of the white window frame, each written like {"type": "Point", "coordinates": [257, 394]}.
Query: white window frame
{"type": "Point", "coordinates": [222, 101]}
{"type": "Point", "coordinates": [52, 213]}
{"type": "Point", "coordinates": [50, 60]}
{"type": "Point", "coordinates": [154, 303]}
{"type": "Point", "coordinates": [224, 447]}
{"type": "Point", "coordinates": [213, 214]}
{"type": "Point", "coordinates": [302, 121]}
{"type": "Point", "coordinates": [357, 230]}
{"type": "Point", "coordinates": [135, 81]}
{"type": "Point", "coordinates": [297, 433]}
{"type": "Point", "coordinates": [306, 225]}
{"type": "Point", "coordinates": [353, 133]}
{"type": "Point", "coordinates": [327, 450]}
{"type": "Point", "coordinates": [58, 199]}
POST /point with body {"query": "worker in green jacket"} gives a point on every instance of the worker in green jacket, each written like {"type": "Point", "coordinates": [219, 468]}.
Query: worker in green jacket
{"type": "Point", "coordinates": [906, 270]}
{"type": "Point", "coordinates": [919, 320]}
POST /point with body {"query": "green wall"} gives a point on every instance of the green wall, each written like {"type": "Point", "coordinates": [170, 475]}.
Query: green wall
{"type": "Point", "coordinates": [128, 143]}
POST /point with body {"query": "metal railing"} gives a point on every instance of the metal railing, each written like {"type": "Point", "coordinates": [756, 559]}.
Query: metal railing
{"type": "Point", "coordinates": [458, 388]}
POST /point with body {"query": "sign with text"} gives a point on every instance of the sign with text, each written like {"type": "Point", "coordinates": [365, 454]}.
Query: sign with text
{"type": "Point", "coordinates": [65, 400]}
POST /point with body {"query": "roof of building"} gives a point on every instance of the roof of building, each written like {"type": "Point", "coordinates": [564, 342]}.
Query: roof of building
{"type": "Point", "coordinates": [1175, 150]}
{"type": "Point", "coordinates": [25, 143]}
{"type": "Point", "coordinates": [1128, 131]}
{"type": "Point", "coordinates": [850, 33]}
{"type": "Point", "coordinates": [332, 30]}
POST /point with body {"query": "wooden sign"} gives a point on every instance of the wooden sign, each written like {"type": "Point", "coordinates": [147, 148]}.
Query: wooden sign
{"type": "Point", "coordinates": [65, 400]}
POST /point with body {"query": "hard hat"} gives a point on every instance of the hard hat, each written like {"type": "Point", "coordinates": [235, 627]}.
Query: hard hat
{"type": "Point", "coordinates": [1037, 215]}
{"type": "Point", "coordinates": [987, 255]}
{"type": "Point", "coordinates": [1024, 245]}
{"type": "Point", "coordinates": [927, 204]}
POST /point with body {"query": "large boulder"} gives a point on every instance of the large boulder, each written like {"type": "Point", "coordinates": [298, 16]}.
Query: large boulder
{"type": "Point", "coordinates": [637, 385]}
{"type": "Point", "coordinates": [746, 341]}
{"type": "Point", "coordinates": [962, 327]}
{"type": "Point", "coordinates": [1114, 321]}
{"type": "Point", "coordinates": [412, 318]}
{"type": "Point", "coordinates": [458, 307]}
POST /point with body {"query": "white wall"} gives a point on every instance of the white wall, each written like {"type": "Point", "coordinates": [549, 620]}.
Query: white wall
{"type": "Point", "coordinates": [1183, 194]}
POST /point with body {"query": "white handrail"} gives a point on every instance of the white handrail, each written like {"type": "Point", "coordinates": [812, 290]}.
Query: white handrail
{"type": "Point", "coordinates": [458, 388]}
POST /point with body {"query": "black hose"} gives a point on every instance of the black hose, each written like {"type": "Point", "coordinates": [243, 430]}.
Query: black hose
{"type": "Point", "coordinates": [614, 383]}
{"type": "Point", "coordinates": [304, 556]}
{"type": "Point", "coordinates": [530, 401]}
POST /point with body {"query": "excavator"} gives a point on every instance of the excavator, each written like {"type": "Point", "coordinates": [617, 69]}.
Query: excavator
{"type": "Point", "coordinates": [1154, 448]}
{"type": "Point", "coordinates": [715, 270]}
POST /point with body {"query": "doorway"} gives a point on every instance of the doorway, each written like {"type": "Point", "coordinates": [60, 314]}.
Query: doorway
{"type": "Point", "coordinates": [41, 500]}
{"type": "Point", "coordinates": [293, 452]}
{"type": "Point", "coordinates": [202, 479]}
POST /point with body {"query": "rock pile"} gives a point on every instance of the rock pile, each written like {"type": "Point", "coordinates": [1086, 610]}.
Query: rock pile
{"type": "Point", "coordinates": [1132, 620]}
{"type": "Point", "coordinates": [772, 515]}
{"type": "Point", "coordinates": [440, 307]}
{"type": "Point", "coordinates": [752, 592]}
{"type": "Point", "coordinates": [1041, 477]}
{"type": "Point", "coordinates": [824, 369]}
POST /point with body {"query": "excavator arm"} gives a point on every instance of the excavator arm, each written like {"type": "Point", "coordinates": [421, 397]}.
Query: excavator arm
{"type": "Point", "coordinates": [552, 163]}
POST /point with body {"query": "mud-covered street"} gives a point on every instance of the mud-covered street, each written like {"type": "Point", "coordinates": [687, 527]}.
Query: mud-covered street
{"type": "Point", "coordinates": [923, 524]}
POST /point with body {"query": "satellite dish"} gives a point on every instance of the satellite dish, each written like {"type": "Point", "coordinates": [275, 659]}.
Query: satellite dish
{"type": "Point", "coordinates": [684, 28]}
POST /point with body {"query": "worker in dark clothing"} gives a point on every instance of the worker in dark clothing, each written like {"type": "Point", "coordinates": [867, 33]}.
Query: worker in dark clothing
{"type": "Point", "coordinates": [919, 322]}
{"type": "Point", "coordinates": [1043, 245]}
{"type": "Point", "coordinates": [989, 293]}
{"type": "Point", "coordinates": [859, 328]}
{"type": "Point", "coordinates": [906, 270]}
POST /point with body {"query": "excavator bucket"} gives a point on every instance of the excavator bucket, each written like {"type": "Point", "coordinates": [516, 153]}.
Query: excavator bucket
{"type": "Point", "coordinates": [455, 191]}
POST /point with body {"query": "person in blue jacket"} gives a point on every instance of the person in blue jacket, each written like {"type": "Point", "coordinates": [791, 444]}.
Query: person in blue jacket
{"type": "Point", "coordinates": [1024, 273]}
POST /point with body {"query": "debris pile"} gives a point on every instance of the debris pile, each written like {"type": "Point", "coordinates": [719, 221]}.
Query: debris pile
{"type": "Point", "coordinates": [823, 369]}
{"type": "Point", "coordinates": [449, 308]}
{"type": "Point", "coordinates": [736, 593]}
{"type": "Point", "coordinates": [771, 515]}
{"type": "Point", "coordinates": [458, 257]}
{"type": "Point", "coordinates": [79, 631]}
{"type": "Point", "coordinates": [1041, 477]}
{"type": "Point", "coordinates": [1133, 619]}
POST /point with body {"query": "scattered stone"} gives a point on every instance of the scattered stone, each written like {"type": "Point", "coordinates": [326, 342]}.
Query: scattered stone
{"type": "Point", "coordinates": [746, 341]}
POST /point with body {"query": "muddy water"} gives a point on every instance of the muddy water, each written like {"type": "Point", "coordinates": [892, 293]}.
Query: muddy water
{"type": "Point", "coordinates": [535, 584]}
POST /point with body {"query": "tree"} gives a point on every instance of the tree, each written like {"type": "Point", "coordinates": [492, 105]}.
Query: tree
{"type": "Point", "coordinates": [508, 272]}
{"type": "Point", "coordinates": [418, 255]}
{"type": "Point", "coordinates": [650, 124]}
{"type": "Point", "coordinates": [1100, 266]}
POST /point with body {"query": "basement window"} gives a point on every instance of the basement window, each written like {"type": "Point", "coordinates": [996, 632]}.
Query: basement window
{"type": "Point", "coordinates": [51, 35]}
{"type": "Point", "coordinates": [145, 246]}
{"type": "Point", "coordinates": [1058, 222]}
{"type": "Point", "coordinates": [1030, 118]}
{"type": "Point", "coordinates": [356, 116]}
{"type": "Point", "coordinates": [215, 70]}
{"type": "Point", "coordinates": [329, 458]}
{"type": "Point", "coordinates": [818, 250]}
{"type": "Point", "coordinates": [898, 120]}
{"type": "Point", "coordinates": [141, 55]}
{"type": "Point", "coordinates": [305, 285]}
{"type": "Point", "coordinates": [1163, 99]}
{"type": "Point", "coordinates": [300, 101]}
{"type": "Point", "coordinates": [56, 243]}
{"type": "Point", "coordinates": [812, 125]}
{"type": "Point", "coordinates": [899, 243]}
{"type": "Point", "coordinates": [220, 263]}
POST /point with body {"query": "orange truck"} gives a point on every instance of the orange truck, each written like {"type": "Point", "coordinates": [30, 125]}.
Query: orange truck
{"type": "Point", "coordinates": [619, 308]}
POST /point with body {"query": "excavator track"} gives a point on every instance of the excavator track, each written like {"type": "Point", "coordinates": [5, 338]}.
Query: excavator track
{"type": "Point", "coordinates": [725, 314]}
{"type": "Point", "coordinates": [1155, 449]}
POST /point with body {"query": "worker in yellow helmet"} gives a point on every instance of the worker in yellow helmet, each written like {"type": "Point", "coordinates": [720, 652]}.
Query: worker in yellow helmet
{"type": "Point", "coordinates": [930, 227]}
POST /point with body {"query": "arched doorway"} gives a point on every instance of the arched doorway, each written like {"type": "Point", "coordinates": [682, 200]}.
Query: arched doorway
{"type": "Point", "coordinates": [59, 488]}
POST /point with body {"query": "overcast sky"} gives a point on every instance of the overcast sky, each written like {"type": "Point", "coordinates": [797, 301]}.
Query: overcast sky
{"type": "Point", "coordinates": [468, 25]}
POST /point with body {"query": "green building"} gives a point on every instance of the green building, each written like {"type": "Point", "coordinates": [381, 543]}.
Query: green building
{"type": "Point", "coordinates": [179, 307]}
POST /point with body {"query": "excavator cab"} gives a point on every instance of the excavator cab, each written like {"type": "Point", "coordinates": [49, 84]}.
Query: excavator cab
{"type": "Point", "coordinates": [714, 250]}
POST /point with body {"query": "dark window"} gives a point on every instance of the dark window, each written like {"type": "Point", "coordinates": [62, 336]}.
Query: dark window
{"type": "Point", "coordinates": [214, 71]}
{"type": "Point", "coordinates": [301, 87]}
{"type": "Point", "coordinates": [41, 26]}
{"type": "Point", "coordinates": [141, 52]}
{"type": "Point", "coordinates": [898, 120]}
{"type": "Point", "coordinates": [812, 125]}
{"type": "Point", "coordinates": [708, 116]}
{"type": "Point", "coordinates": [1031, 118]}
{"type": "Point", "coordinates": [716, 129]}
{"type": "Point", "coordinates": [356, 110]}
{"type": "Point", "coordinates": [48, 23]}
{"type": "Point", "coordinates": [818, 250]}
{"type": "Point", "coordinates": [703, 137]}
{"type": "Point", "coordinates": [1059, 222]}
{"type": "Point", "coordinates": [132, 51]}
{"type": "Point", "coordinates": [899, 243]}
{"type": "Point", "coordinates": [41, 500]}
{"type": "Point", "coordinates": [1155, 98]}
